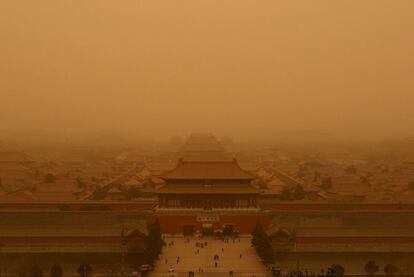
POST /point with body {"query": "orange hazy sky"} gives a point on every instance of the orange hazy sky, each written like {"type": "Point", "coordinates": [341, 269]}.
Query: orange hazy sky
{"type": "Point", "coordinates": [242, 68]}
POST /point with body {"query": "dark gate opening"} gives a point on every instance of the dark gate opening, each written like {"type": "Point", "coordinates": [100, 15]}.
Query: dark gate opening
{"type": "Point", "coordinates": [208, 229]}
{"type": "Point", "coordinates": [228, 230]}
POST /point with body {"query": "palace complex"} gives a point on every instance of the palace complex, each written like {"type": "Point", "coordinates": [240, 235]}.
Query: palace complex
{"type": "Point", "coordinates": [207, 192]}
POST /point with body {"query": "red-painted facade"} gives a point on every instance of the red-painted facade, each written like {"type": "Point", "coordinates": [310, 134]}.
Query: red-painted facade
{"type": "Point", "coordinates": [242, 222]}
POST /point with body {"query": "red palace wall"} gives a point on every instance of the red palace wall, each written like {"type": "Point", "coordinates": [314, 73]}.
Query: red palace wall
{"type": "Point", "coordinates": [174, 223]}
{"type": "Point", "coordinates": [79, 206]}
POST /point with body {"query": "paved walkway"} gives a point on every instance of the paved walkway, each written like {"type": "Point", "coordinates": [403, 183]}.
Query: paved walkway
{"type": "Point", "coordinates": [193, 258]}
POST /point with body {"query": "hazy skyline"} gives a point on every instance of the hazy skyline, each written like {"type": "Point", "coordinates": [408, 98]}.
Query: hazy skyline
{"type": "Point", "coordinates": [240, 68]}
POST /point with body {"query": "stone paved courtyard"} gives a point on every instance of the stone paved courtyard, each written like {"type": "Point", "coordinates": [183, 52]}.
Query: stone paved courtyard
{"type": "Point", "coordinates": [193, 258]}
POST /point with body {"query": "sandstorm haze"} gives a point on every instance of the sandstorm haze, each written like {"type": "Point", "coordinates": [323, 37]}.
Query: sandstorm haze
{"type": "Point", "coordinates": [251, 69]}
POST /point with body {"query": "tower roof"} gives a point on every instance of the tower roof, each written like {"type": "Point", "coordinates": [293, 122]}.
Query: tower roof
{"type": "Point", "coordinates": [205, 170]}
{"type": "Point", "coordinates": [207, 189]}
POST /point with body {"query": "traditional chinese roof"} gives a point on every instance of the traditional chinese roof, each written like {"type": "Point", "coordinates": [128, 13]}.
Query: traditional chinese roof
{"type": "Point", "coordinates": [279, 232]}
{"type": "Point", "coordinates": [134, 233]}
{"type": "Point", "coordinates": [208, 156]}
{"type": "Point", "coordinates": [202, 170]}
{"type": "Point", "coordinates": [203, 147]}
{"type": "Point", "coordinates": [202, 138]}
{"type": "Point", "coordinates": [207, 189]}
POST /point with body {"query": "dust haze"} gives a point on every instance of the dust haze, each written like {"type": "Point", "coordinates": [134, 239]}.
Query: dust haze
{"type": "Point", "coordinates": [241, 68]}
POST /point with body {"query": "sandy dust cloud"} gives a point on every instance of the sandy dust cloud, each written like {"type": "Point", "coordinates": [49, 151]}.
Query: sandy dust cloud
{"type": "Point", "coordinates": [240, 68]}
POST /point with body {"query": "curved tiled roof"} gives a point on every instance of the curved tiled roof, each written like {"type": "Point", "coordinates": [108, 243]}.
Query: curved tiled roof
{"type": "Point", "coordinates": [202, 170]}
{"type": "Point", "coordinates": [207, 189]}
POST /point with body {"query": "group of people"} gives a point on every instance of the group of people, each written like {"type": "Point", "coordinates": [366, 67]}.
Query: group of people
{"type": "Point", "coordinates": [171, 243]}
{"type": "Point", "coordinates": [227, 240]}
{"type": "Point", "coordinates": [200, 245]}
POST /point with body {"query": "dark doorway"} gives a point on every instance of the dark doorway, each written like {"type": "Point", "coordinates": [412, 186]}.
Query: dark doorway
{"type": "Point", "coordinates": [228, 230]}
{"type": "Point", "coordinates": [208, 229]}
{"type": "Point", "coordinates": [188, 230]}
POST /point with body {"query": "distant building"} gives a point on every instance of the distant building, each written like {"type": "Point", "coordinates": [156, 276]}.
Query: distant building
{"type": "Point", "coordinates": [203, 147]}
{"type": "Point", "coordinates": [207, 185]}
{"type": "Point", "coordinates": [206, 193]}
